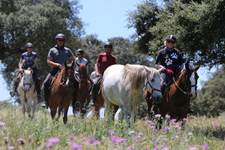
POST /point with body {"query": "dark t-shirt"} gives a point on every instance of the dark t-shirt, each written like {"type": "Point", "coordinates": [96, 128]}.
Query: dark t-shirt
{"type": "Point", "coordinates": [105, 61]}
{"type": "Point", "coordinates": [28, 59]}
{"type": "Point", "coordinates": [168, 57]}
{"type": "Point", "coordinates": [59, 55]}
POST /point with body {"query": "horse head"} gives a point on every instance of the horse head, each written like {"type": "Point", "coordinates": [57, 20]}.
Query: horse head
{"type": "Point", "coordinates": [153, 84]}
{"type": "Point", "coordinates": [83, 73]}
{"type": "Point", "coordinates": [68, 75]}
{"type": "Point", "coordinates": [191, 76]}
{"type": "Point", "coordinates": [27, 79]}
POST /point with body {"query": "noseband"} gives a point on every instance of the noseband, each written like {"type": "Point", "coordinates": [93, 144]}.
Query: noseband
{"type": "Point", "coordinates": [153, 89]}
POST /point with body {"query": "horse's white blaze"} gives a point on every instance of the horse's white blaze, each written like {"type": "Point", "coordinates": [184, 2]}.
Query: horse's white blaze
{"type": "Point", "coordinates": [117, 87]}
{"type": "Point", "coordinates": [26, 92]}
{"type": "Point", "coordinates": [193, 88]}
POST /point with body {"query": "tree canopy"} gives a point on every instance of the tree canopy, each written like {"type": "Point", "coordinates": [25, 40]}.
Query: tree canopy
{"type": "Point", "coordinates": [198, 25]}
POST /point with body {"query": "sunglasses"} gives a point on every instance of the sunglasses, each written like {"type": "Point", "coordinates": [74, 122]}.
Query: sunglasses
{"type": "Point", "coordinates": [171, 42]}
{"type": "Point", "coordinates": [61, 40]}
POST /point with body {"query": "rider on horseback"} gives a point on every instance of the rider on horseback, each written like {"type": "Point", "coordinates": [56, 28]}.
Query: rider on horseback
{"type": "Point", "coordinates": [28, 60]}
{"type": "Point", "coordinates": [56, 57]}
{"type": "Point", "coordinates": [171, 60]}
{"type": "Point", "coordinates": [80, 60]}
{"type": "Point", "coordinates": [103, 62]}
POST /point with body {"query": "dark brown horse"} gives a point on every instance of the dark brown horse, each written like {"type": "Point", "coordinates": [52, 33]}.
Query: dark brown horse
{"type": "Point", "coordinates": [176, 101]}
{"type": "Point", "coordinates": [83, 97]}
{"type": "Point", "coordinates": [98, 99]}
{"type": "Point", "coordinates": [61, 92]}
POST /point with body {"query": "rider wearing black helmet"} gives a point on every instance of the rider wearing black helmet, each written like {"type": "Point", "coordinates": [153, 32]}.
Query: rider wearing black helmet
{"type": "Point", "coordinates": [170, 59]}
{"type": "Point", "coordinates": [55, 59]}
{"type": "Point", "coordinates": [28, 60]}
{"type": "Point", "coordinates": [80, 60]}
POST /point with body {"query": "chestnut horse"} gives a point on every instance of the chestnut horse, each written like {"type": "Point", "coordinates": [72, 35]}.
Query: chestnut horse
{"type": "Point", "coordinates": [176, 101]}
{"type": "Point", "coordinates": [61, 92]}
{"type": "Point", "coordinates": [83, 97]}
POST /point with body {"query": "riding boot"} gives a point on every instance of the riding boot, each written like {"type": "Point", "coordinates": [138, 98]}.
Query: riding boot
{"type": "Point", "coordinates": [46, 95]}
{"type": "Point", "coordinates": [38, 88]}
{"type": "Point", "coordinates": [75, 93]}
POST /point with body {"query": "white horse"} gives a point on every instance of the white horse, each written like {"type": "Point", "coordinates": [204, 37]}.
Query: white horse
{"type": "Point", "coordinates": [27, 93]}
{"type": "Point", "coordinates": [124, 86]}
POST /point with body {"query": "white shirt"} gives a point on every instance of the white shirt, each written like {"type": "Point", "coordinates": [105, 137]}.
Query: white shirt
{"type": "Point", "coordinates": [83, 61]}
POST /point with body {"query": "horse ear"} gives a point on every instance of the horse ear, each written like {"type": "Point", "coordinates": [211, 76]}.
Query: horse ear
{"type": "Point", "coordinates": [31, 71]}
{"type": "Point", "coordinates": [187, 65]}
{"type": "Point", "coordinates": [197, 67]}
{"type": "Point", "coordinates": [86, 64]}
{"type": "Point", "coordinates": [161, 70]}
{"type": "Point", "coordinates": [65, 65]}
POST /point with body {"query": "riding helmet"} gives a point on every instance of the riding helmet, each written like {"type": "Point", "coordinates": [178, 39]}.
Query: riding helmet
{"type": "Point", "coordinates": [108, 45]}
{"type": "Point", "coordinates": [171, 38]}
{"type": "Point", "coordinates": [80, 51]}
{"type": "Point", "coordinates": [60, 36]}
{"type": "Point", "coordinates": [29, 45]}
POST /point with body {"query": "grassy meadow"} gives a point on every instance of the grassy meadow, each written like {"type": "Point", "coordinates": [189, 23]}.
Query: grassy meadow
{"type": "Point", "coordinates": [19, 132]}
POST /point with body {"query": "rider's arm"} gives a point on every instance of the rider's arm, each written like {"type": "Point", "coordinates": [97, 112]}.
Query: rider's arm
{"type": "Point", "coordinates": [20, 64]}
{"type": "Point", "coordinates": [53, 64]}
{"type": "Point", "coordinates": [35, 64]}
{"type": "Point", "coordinates": [97, 72]}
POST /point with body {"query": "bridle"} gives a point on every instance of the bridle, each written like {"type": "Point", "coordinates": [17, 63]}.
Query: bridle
{"type": "Point", "coordinates": [153, 89]}
{"type": "Point", "coordinates": [28, 83]}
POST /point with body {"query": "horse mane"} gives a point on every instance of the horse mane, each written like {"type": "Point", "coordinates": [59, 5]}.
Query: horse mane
{"type": "Point", "coordinates": [137, 75]}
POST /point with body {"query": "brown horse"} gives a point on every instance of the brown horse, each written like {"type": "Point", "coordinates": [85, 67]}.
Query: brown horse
{"type": "Point", "coordinates": [176, 101]}
{"type": "Point", "coordinates": [83, 97]}
{"type": "Point", "coordinates": [98, 99]}
{"type": "Point", "coordinates": [61, 91]}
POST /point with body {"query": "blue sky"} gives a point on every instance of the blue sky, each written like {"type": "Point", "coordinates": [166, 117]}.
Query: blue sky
{"type": "Point", "coordinates": [107, 18]}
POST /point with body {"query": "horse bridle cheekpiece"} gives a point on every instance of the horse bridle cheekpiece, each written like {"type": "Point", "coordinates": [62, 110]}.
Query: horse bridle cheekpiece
{"type": "Point", "coordinates": [28, 83]}
{"type": "Point", "coordinates": [147, 82]}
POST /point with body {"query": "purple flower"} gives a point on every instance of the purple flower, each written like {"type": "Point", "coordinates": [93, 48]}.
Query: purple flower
{"type": "Point", "coordinates": [96, 143]}
{"type": "Point", "coordinates": [190, 134]}
{"type": "Point", "coordinates": [184, 119]}
{"type": "Point", "coordinates": [131, 132]}
{"type": "Point", "coordinates": [172, 121]}
{"type": "Point", "coordinates": [91, 140]}
{"type": "Point", "coordinates": [123, 139]}
{"type": "Point", "coordinates": [205, 146]}
{"type": "Point", "coordinates": [156, 130]}
{"type": "Point", "coordinates": [72, 138]}
{"type": "Point", "coordinates": [165, 148]}
{"type": "Point", "coordinates": [146, 122]}
{"type": "Point", "coordinates": [177, 136]}
{"type": "Point", "coordinates": [115, 139]}
{"type": "Point", "coordinates": [158, 115]}
{"type": "Point", "coordinates": [216, 125]}
{"type": "Point", "coordinates": [140, 134]}
{"type": "Point", "coordinates": [137, 137]}
{"type": "Point", "coordinates": [166, 128]}
{"type": "Point", "coordinates": [111, 132]}
{"type": "Point", "coordinates": [54, 140]}
{"type": "Point", "coordinates": [11, 147]}
{"type": "Point", "coordinates": [155, 149]}
{"type": "Point", "coordinates": [130, 148]}
{"type": "Point", "coordinates": [192, 148]}
{"type": "Point", "coordinates": [21, 141]}
{"type": "Point", "coordinates": [167, 116]}
{"type": "Point", "coordinates": [2, 123]}
{"type": "Point", "coordinates": [76, 146]}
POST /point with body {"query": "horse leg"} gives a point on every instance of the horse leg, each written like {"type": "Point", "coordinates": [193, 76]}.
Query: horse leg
{"type": "Point", "coordinates": [108, 110]}
{"type": "Point", "coordinates": [127, 114]}
{"type": "Point", "coordinates": [34, 106]}
{"type": "Point", "coordinates": [23, 108]}
{"type": "Point", "coordinates": [59, 111]}
{"type": "Point", "coordinates": [121, 115]}
{"type": "Point", "coordinates": [66, 106]}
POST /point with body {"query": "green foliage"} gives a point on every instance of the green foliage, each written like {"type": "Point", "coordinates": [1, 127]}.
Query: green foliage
{"type": "Point", "coordinates": [198, 26]}
{"type": "Point", "coordinates": [211, 98]}
{"type": "Point", "coordinates": [37, 22]}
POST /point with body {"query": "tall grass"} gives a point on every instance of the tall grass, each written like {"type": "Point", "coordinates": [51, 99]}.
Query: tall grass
{"type": "Point", "coordinates": [19, 132]}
